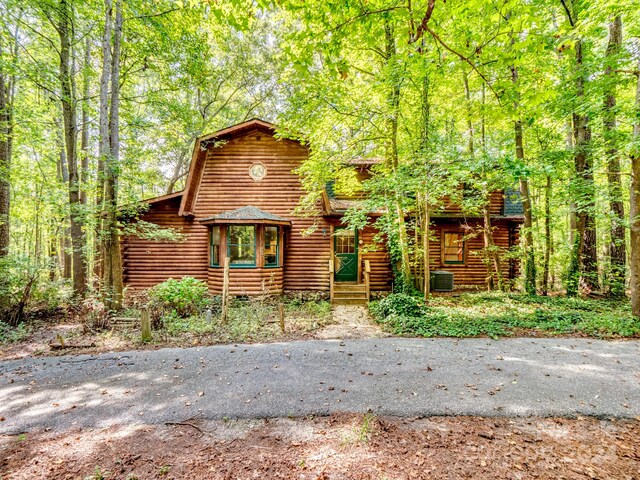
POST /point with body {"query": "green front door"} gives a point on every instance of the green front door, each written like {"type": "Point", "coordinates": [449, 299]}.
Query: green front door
{"type": "Point", "coordinates": [346, 251]}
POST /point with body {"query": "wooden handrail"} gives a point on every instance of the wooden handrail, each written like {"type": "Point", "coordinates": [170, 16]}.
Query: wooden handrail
{"type": "Point", "coordinates": [367, 271]}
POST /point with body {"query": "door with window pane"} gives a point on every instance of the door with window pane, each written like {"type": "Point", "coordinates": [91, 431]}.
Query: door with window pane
{"type": "Point", "coordinates": [346, 254]}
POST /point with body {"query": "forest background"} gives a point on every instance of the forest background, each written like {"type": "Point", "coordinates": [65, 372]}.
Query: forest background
{"type": "Point", "coordinates": [101, 102]}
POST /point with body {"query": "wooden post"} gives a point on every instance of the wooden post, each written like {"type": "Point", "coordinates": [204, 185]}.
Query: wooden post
{"type": "Point", "coordinates": [145, 325]}
{"type": "Point", "coordinates": [331, 279]}
{"type": "Point", "coordinates": [281, 315]}
{"type": "Point", "coordinates": [367, 272]}
{"type": "Point", "coordinates": [225, 291]}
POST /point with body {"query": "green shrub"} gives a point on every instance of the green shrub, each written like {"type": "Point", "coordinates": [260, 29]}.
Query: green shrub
{"type": "Point", "coordinates": [183, 298]}
{"type": "Point", "coordinates": [399, 304]}
{"type": "Point", "coordinates": [174, 325]}
{"type": "Point", "coordinates": [10, 334]}
{"type": "Point", "coordinates": [497, 314]}
{"type": "Point", "coordinates": [25, 288]}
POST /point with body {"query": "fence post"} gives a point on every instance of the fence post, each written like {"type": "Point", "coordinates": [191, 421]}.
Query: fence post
{"type": "Point", "coordinates": [145, 325]}
{"type": "Point", "coordinates": [281, 316]}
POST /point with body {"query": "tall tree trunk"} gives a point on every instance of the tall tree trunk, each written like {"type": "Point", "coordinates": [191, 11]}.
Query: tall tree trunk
{"type": "Point", "coordinates": [65, 31]}
{"type": "Point", "coordinates": [572, 202]}
{"type": "Point", "coordinates": [84, 135]}
{"type": "Point", "coordinates": [54, 228]}
{"type": "Point", "coordinates": [618, 253]}
{"type": "Point", "coordinates": [634, 211]}
{"type": "Point", "coordinates": [548, 243]}
{"type": "Point", "coordinates": [495, 266]}
{"type": "Point", "coordinates": [425, 249]}
{"type": "Point", "coordinates": [585, 244]}
{"type": "Point", "coordinates": [529, 253]}
{"type": "Point", "coordinates": [112, 274]}
{"type": "Point", "coordinates": [393, 105]}
{"type": "Point", "coordinates": [104, 147]}
{"type": "Point", "coordinates": [7, 94]}
{"type": "Point", "coordinates": [6, 127]}
{"type": "Point", "coordinates": [65, 233]}
{"type": "Point", "coordinates": [424, 145]}
{"type": "Point", "coordinates": [470, 131]}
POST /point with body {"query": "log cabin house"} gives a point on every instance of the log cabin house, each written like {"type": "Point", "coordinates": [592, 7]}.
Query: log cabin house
{"type": "Point", "coordinates": [238, 204]}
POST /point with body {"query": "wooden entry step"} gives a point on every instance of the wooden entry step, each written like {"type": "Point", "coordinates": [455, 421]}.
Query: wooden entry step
{"type": "Point", "coordinates": [349, 294]}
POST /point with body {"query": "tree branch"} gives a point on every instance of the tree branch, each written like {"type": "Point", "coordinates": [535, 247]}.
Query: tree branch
{"type": "Point", "coordinates": [363, 14]}
{"type": "Point", "coordinates": [152, 15]}
{"type": "Point", "coordinates": [464, 59]}
{"type": "Point", "coordinates": [566, 9]}
{"type": "Point", "coordinates": [424, 24]}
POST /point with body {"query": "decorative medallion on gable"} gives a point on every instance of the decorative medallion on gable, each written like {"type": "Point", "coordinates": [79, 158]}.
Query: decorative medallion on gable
{"type": "Point", "coordinates": [257, 171]}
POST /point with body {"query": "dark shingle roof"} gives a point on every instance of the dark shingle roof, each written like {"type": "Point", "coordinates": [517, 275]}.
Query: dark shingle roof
{"type": "Point", "coordinates": [248, 213]}
{"type": "Point", "coordinates": [512, 203]}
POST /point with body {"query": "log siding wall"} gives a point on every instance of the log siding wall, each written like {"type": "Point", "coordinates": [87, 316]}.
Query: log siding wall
{"type": "Point", "coordinates": [473, 272]}
{"type": "Point", "coordinates": [146, 262]}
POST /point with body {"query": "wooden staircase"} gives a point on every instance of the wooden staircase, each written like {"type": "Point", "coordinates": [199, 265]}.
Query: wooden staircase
{"type": "Point", "coordinates": [349, 294]}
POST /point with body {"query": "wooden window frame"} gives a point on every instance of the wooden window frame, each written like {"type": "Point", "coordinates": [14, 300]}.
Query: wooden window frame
{"type": "Point", "coordinates": [211, 256]}
{"type": "Point", "coordinates": [264, 246]}
{"type": "Point", "coordinates": [259, 230]}
{"type": "Point", "coordinates": [443, 262]}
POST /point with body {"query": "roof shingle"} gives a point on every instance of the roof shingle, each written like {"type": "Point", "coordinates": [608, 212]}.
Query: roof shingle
{"type": "Point", "coordinates": [248, 213]}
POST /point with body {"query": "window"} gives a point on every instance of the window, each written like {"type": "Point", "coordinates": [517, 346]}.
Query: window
{"type": "Point", "coordinates": [452, 247]}
{"type": "Point", "coordinates": [345, 241]}
{"type": "Point", "coordinates": [242, 245]}
{"type": "Point", "coordinates": [270, 246]}
{"type": "Point", "coordinates": [215, 246]}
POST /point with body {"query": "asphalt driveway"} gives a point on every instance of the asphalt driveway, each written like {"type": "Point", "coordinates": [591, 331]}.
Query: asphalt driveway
{"type": "Point", "coordinates": [404, 377]}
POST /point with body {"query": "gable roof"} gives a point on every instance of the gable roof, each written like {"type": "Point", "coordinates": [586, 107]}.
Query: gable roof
{"type": "Point", "coordinates": [199, 156]}
{"type": "Point", "coordinates": [162, 198]}
{"type": "Point", "coordinates": [248, 213]}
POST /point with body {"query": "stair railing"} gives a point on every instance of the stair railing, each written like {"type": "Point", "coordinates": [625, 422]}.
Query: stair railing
{"type": "Point", "coordinates": [367, 272]}
{"type": "Point", "coordinates": [331, 275]}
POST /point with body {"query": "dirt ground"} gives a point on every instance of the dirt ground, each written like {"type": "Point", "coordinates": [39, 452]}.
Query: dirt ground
{"type": "Point", "coordinates": [351, 321]}
{"type": "Point", "coordinates": [337, 447]}
{"type": "Point", "coordinates": [345, 322]}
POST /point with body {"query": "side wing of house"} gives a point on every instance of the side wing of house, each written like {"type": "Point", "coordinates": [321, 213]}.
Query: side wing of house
{"type": "Point", "coordinates": [148, 262]}
{"type": "Point", "coordinates": [457, 241]}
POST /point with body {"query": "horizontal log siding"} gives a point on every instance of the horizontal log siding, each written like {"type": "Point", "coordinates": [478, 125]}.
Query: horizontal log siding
{"type": "Point", "coordinates": [474, 271]}
{"type": "Point", "coordinates": [146, 263]}
{"type": "Point", "coordinates": [381, 275]}
{"type": "Point", "coordinates": [247, 281]}
{"type": "Point", "coordinates": [226, 185]}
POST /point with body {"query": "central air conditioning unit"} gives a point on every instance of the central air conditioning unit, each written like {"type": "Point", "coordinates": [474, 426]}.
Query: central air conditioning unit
{"type": "Point", "coordinates": [441, 281]}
